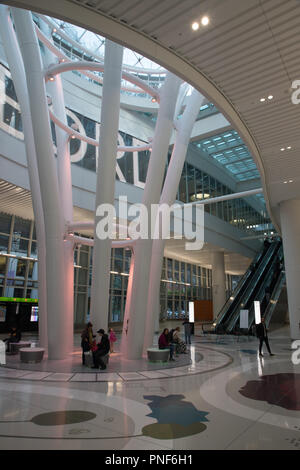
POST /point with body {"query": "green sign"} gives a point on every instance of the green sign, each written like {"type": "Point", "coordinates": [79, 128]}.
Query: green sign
{"type": "Point", "coordinates": [18, 299]}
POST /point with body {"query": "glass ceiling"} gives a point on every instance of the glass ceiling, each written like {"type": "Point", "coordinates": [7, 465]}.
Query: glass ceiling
{"type": "Point", "coordinates": [229, 150]}
{"type": "Point", "coordinates": [95, 44]}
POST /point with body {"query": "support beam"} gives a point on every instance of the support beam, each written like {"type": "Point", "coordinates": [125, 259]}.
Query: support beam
{"type": "Point", "coordinates": [55, 89]}
{"type": "Point", "coordinates": [106, 177]}
{"type": "Point", "coordinates": [15, 62]}
{"type": "Point", "coordinates": [218, 282]}
{"type": "Point", "coordinates": [290, 226]}
{"type": "Point", "coordinates": [54, 227]}
{"type": "Point", "coordinates": [168, 197]}
{"type": "Point", "coordinates": [136, 308]}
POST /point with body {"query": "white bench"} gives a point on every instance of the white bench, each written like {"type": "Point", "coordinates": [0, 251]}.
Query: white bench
{"type": "Point", "coordinates": [31, 355]}
{"type": "Point", "coordinates": [158, 355]}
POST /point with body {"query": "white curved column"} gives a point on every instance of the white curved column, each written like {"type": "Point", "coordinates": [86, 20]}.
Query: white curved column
{"type": "Point", "coordinates": [168, 197]}
{"type": "Point", "coordinates": [218, 281]}
{"type": "Point", "coordinates": [136, 306]}
{"type": "Point", "coordinates": [15, 63]}
{"type": "Point", "coordinates": [106, 177]}
{"type": "Point", "coordinates": [290, 228]}
{"type": "Point", "coordinates": [54, 228]}
{"type": "Point", "coordinates": [55, 90]}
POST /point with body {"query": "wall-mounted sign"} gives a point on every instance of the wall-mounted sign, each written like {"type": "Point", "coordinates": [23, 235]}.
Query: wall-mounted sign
{"type": "Point", "coordinates": [244, 319]}
{"type": "Point", "coordinates": [191, 312]}
{"type": "Point", "coordinates": [257, 312]}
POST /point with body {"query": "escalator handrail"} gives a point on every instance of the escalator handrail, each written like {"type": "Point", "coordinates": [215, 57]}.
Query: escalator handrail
{"type": "Point", "coordinates": [259, 273]}
{"type": "Point", "coordinates": [247, 277]}
{"type": "Point", "coordinates": [261, 293]}
{"type": "Point", "coordinates": [275, 296]}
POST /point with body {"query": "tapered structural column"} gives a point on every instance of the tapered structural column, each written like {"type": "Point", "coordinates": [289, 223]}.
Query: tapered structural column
{"type": "Point", "coordinates": [218, 281]}
{"type": "Point", "coordinates": [136, 304]}
{"type": "Point", "coordinates": [16, 67]}
{"type": "Point", "coordinates": [106, 177]}
{"type": "Point", "coordinates": [55, 90]}
{"type": "Point", "coordinates": [54, 228]}
{"type": "Point", "coordinates": [168, 197]}
{"type": "Point", "coordinates": [290, 229]}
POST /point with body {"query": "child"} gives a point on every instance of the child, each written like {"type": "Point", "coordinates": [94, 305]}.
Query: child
{"type": "Point", "coordinates": [112, 339]}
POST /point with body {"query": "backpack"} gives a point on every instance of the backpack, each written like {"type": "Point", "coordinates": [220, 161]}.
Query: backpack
{"type": "Point", "coordinates": [170, 336]}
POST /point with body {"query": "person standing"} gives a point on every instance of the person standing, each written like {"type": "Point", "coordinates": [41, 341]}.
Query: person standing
{"type": "Point", "coordinates": [112, 339]}
{"type": "Point", "coordinates": [87, 339]}
{"type": "Point", "coordinates": [187, 331]}
{"type": "Point", "coordinates": [262, 334]}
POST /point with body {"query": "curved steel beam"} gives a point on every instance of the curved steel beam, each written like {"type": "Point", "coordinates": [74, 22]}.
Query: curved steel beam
{"type": "Point", "coordinates": [96, 67]}
{"type": "Point", "coordinates": [91, 141]}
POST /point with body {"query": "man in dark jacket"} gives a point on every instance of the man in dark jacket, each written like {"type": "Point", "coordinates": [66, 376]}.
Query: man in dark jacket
{"type": "Point", "coordinates": [261, 332]}
{"type": "Point", "coordinates": [103, 349]}
{"type": "Point", "coordinates": [15, 337]}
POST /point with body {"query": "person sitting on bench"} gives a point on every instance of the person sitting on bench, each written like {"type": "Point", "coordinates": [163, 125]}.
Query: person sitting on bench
{"type": "Point", "coordinates": [15, 337]}
{"type": "Point", "coordinates": [102, 350]}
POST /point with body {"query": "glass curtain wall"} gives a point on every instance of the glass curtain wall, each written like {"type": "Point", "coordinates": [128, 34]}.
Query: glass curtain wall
{"type": "Point", "coordinates": [180, 282]}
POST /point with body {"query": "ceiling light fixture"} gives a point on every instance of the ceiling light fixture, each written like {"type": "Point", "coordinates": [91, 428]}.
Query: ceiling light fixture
{"type": "Point", "coordinates": [289, 148]}
{"type": "Point", "coordinates": [205, 20]}
{"type": "Point", "coordinates": [262, 100]}
{"type": "Point", "coordinates": [282, 149]}
{"type": "Point", "coordinates": [270, 97]}
{"type": "Point", "coordinates": [195, 26]}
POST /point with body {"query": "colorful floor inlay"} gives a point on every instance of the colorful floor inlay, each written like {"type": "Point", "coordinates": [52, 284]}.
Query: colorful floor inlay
{"type": "Point", "coordinates": [175, 418]}
{"type": "Point", "coordinates": [278, 389]}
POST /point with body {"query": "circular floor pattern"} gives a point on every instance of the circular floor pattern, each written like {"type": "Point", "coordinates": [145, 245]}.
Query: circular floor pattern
{"type": "Point", "coordinates": [202, 360]}
{"type": "Point", "coordinates": [52, 414]}
{"type": "Point", "coordinates": [224, 394]}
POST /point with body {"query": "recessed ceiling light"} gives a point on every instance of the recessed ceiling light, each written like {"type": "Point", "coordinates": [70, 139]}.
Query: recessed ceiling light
{"type": "Point", "coordinates": [51, 78]}
{"type": "Point", "coordinates": [289, 148]}
{"type": "Point", "coordinates": [195, 26]}
{"type": "Point", "coordinates": [282, 149]}
{"type": "Point", "coordinates": [270, 97]}
{"type": "Point", "coordinates": [205, 20]}
{"type": "Point", "coordinates": [262, 100]}
{"type": "Point", "coordinates": [285, 182]}
{"type": "Point", "coordinates": [291, 181]}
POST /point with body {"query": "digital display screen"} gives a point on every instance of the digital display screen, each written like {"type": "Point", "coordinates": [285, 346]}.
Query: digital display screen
{"type": "Point", "coordinates": [2, 313]}
{"type": "Point", "coordinates": [34, 314]}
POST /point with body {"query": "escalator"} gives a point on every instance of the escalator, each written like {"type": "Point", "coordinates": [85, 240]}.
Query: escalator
{"type": "Point", "coordinates": [231, 310]}
{"type": "Point", "coordinates": [265, 287]}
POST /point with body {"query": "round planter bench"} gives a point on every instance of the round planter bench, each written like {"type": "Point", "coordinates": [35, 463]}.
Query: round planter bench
{"type": "Point", "coordinates": [31, 355]}
{"type": "Point", "coordinates": [158, 355]}
{"type": "Point", "coordinates": [14, 348]}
